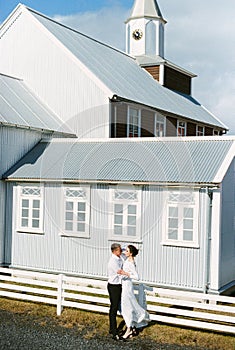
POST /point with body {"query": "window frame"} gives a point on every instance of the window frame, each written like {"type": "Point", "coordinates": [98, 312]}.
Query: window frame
{"type": "Point", "coordinates": [129, 124]}
{"type": "Point", "coordinates": [75, 201]}
{"type": "Point", "coordinates": [30, 197]}
{"type": "Point", "coordinates": [200, 133]}
{"type": "Point", "coordinates": [181, 128]}
{"type": "Point", "coordinates": [137, 202]}
{"type": "Point", "coordinates": [156, 121]}
{"type": "Point", "coordinates": [180, 242]}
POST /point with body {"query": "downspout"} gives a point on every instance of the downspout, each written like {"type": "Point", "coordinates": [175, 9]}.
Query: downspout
{"type": "Point", "coordinates": [208, 242]}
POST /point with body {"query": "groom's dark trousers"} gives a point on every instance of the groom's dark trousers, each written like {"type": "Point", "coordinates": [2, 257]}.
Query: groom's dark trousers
{"type": "Point", "coordinates": [115, 291]}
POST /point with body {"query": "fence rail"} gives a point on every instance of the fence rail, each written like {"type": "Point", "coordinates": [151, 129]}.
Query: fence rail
{"type": "Point", "coordinates": [194, 310]}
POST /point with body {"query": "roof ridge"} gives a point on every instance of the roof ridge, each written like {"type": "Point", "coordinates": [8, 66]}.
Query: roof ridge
{"type": "Point", "coordinates": [10, 76]}
{"type": "Point", "coordinates": [145, 139]}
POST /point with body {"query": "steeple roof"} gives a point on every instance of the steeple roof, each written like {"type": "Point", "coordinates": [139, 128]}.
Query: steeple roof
{"type": "Point", "coordinates": [145, 8]}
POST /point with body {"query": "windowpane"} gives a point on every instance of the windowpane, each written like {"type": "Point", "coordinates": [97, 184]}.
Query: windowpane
{"type": "Point", "coordinates": [69, 205]}
{"type": "Point", "coordinates": [25, 203]}
{"type": "Point", "coordinates": [117, 230]}
{"type": "Point", "coordinates": [81, 216]}
{"type": "Point", "coordinates": [24, 222]}
{"type": "Point", "coordinates": [36, 214]}
{"type": "Point", "coordinates": [25, 213]}
{"type": "Point", "coordinates": [173, 212]}
{"type": "Point", "coordinates": [173, 223]}
{"type": "Point", "coordinates": [131, 209]}
{"type": "Point", "coordinates": [81, 206]}
{"type": "Point", "coordinates": [36, 203]}
{"type": "Point", "coordinates": [188, 224]}
{"type": "Point", "coordinates": [131, 231]}
{"type": "Point", "coordinates": [118, 208]}
{"type": "Point", "coordinates": [80, 227]}
{"type": "Point", "coordinates": [131, 220]}
{"type": "Point", "coordinates": [173, 234]}
{"type": "Point", "coordinates": [35, 223]}
{"type": "Point", "coordinates": [188, 235]}
{"type": "Point", "coordinates": [69, 215]}
{"type": "Point", "coordinates": [118, 219]}
{"type": "Point", "coordinates": [188, 213]}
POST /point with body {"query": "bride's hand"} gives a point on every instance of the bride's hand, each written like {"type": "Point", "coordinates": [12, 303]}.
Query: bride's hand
{"type": "Point", "coordinates": [120, 272]}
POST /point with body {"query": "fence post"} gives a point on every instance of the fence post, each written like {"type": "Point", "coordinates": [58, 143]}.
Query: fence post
{"type": "Point", "coordinates": [60, 295]}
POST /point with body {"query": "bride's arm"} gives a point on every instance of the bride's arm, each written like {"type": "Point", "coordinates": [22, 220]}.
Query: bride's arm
{"type": "Point", "coordinates": [131, 273]}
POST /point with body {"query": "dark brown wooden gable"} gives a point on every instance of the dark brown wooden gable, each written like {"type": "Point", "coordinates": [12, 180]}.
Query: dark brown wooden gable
{"type": "Point", "coordinates": [178, 81]}
{"type": "Point", "coordinates": [154, 71]}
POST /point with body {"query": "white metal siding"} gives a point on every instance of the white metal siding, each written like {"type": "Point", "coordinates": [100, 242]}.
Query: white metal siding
{"type": "Point", "coordinates": [15, 143]}
{"type": "Point", "coordinates": [163, 265]}
{"type": "Point", "coordinates": [227, 254]}
{"type": "Point", "coordinates": [62, 85]}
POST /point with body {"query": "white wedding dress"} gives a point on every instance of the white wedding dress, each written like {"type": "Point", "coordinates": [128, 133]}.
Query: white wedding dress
{"type": "Point", "coordinates": [134, 315]}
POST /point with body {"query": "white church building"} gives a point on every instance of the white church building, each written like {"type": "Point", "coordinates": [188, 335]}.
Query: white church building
{"type": "Point", "coordinates": [101, 146]}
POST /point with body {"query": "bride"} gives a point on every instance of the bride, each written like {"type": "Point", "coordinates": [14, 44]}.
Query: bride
{"type": "Point", "coordinates": [132, 312]}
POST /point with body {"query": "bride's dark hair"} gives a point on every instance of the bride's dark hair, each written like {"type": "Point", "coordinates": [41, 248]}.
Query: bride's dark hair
{"type": "Point", "coordinates": [133, 250]}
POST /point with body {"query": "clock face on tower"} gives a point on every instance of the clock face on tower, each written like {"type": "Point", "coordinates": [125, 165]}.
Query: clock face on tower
{"type": "Point", "coordinates": [137, 34]}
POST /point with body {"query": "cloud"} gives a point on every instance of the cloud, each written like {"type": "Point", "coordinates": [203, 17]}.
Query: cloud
{"type": "Point", "coordinates": [200, 37]}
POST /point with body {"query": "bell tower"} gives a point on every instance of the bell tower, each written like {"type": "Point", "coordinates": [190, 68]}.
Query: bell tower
{"type": "Point", "coordinates": [145, 29]}
{"type": "Point", "coordinates": [145, 41]}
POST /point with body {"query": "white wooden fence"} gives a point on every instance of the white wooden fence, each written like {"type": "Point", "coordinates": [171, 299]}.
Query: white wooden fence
{"type": "Point", "coordinates": [187, 309]}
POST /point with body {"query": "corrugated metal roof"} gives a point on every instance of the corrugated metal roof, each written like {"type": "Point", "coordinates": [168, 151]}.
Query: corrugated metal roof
{"type": "Point", "coordinates": [123, 76]}
{"type": "Point", "coordinates": [165, 160]}
{"type": "Point", "coordinates": [19, 106]}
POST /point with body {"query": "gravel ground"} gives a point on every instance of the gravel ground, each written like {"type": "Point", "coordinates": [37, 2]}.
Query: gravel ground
{"type": "Point", "coordinates": [18, 333]}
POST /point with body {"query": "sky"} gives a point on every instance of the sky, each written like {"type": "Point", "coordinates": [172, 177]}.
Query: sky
{"type": "Point", "coordinates": [199, 36]}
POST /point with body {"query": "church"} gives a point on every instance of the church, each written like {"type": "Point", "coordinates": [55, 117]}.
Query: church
{"type": "Point", "coordinates": [101, 146]}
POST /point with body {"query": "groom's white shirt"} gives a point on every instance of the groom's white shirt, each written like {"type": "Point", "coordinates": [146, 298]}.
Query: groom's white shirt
{"type": "Point", "coordinates": [115, 263]}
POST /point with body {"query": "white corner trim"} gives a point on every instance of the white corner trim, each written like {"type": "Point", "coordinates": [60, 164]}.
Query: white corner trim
{"type": "Point", "coordinates": [225, 165]}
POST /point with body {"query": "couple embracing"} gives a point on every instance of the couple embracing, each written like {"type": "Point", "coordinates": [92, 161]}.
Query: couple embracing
{"type": "Point", "coordinates": [121, 292]}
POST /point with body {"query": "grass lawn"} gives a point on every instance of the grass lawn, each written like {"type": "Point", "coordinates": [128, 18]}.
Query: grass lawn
{"type": "Point", "coordinates": [98, 326]}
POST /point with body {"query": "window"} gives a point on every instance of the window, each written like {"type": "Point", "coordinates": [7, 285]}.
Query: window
{"type": "Point", "coordinates": [200, 130]}
{"type": "Point", "coordinates": [76, 211]}
{"type": "Point", "coordinates": [181, 221]}
{"type": "Point", "coordinates": [133, 125]}
{"type": "Point", "coordinates": [126, 214]}
{"type": "Point", "coordinates": [215, 132]}
{"type": "Point", "coordinates": [159, 125]}
{"type": "Point", "coordinates": [30, 207]}
{"type": "Point", "coordinates": [181, 128]}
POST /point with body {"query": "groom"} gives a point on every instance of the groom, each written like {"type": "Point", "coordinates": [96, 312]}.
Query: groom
{"type": "Point", "coordinates": [114, 287]}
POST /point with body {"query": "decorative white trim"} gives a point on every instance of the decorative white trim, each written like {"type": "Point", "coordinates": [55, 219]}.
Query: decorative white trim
{"type": "Point", "coordinates": [135, 199]}
{"type": "Point", "coordinates": [30, 197]}
{"type": "Point", "coordinates": [178, 204]}
{"type": "Point", "coordinates": [76, 194]}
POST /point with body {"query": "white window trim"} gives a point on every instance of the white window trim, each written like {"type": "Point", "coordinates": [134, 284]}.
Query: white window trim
{"type": "Point", "coordinates": [138, 202]}
{"type": "Point", "coordinates": [155, 124]}
{"type": "Point", "coordinates": [128, 120]}
{"type": "Point", "coordinates": [76, 234]}
{"type": "Point", "coordinates": [180, 242]}
{"type": "Point", "coordinates": [197, 132]}
{"type": "Point", "coordinates": [20, 196]}
{"type": "Point", "coordinates": [185, 129]}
